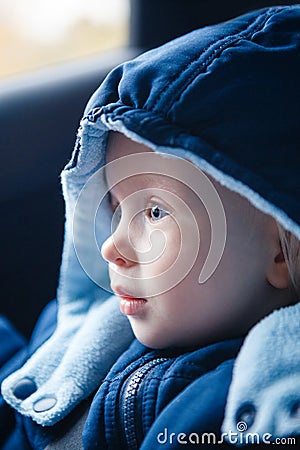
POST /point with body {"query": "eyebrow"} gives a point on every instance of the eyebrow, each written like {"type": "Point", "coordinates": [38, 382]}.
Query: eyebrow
{"type": "Point", "coordinates": [162, 181]}
{"type": "Point", "coordinates": [148, 179]}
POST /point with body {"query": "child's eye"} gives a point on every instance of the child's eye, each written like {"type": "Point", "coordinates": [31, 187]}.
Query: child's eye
{"type": "Point", "coordinates": [157, 213]}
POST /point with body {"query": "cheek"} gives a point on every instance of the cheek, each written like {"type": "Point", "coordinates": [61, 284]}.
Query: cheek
{"type": "Point", "coordinates": [181, 313]}
{"type": "Point", "coordinates": [179, 264]}
{"type": "Point", "coordinates": [163, 250]}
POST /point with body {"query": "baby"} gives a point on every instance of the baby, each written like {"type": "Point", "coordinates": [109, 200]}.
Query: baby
{"type": "Point", "coordinates": [196, 144]}
{"type": "Point", "coordinates": [251, 279]}
{"type": "Point", "coordinates": [178, 314]}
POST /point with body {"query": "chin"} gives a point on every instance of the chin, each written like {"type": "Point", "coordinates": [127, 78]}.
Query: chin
{"type": "Point", "coordinates": [152, 341]}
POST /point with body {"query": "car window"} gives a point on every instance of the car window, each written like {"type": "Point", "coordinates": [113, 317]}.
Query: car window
{"type": "Point", "coordinates": [35, 33]}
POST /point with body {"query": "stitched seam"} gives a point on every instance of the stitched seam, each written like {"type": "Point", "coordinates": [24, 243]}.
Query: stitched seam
{"type": "Point", "coordinates": [175, 376]}
{"type": "Point", "coordinates": [154, 115]}
{"type": "Point", "coordinates": [191, 377]}
{"type": "Point", "coordinates": [198, 365]}
{"type": "Point", "coordinates": [250, 30]}
{"type": "Point", "coordinates": [210, 59]}
{"type": "Point", "coordinates": [218, 52]}
{"type": "Point", "coordinates": [153, 407]}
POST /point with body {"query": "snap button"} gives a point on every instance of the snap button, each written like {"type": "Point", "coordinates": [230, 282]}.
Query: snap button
{"type": "Point", "coordinates": [24, 388]}
{"type": "Point", "coordinates": [246, 414]}
{"type": "Point", "coordinates": [44, 404]}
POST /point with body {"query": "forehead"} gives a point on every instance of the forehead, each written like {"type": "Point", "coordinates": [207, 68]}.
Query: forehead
{"type": "Point", "coordinates": [119, 146]}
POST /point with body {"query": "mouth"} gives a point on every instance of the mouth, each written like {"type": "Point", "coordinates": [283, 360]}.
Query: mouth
{"type": "Point", "coordinates": [129, 305]}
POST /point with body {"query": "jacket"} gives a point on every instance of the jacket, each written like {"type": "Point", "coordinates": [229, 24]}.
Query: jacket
{"type": "Point", "coordinates": [137, 405]}
{"type": "Point", "coordinates": [163, 381]}
{"type": "Point", "coordinates": [225, 97]}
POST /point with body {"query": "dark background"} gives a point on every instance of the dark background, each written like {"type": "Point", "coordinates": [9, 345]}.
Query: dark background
{"type": "Point", "coordinates": [39, 116]}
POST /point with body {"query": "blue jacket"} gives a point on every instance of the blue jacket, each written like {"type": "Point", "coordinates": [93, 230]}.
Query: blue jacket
{"type": "Point", "coordinates": [152, 394]}
{"type": "Point", "coordinates": [163, 382]}
{"type": "Point", "coordinates": [227, 98]}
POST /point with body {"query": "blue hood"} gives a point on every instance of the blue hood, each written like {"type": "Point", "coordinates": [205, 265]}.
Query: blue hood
{"type": "Point", "coordinates": [228, 93]}
{"type": "Point", "coordinates": [226, 97]}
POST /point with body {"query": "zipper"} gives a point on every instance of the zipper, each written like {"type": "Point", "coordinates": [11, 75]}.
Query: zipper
{"type": "Point", "coordinates": [131, 421]}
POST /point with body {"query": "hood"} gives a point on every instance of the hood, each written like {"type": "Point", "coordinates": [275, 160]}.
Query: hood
{"type": "Point", "coordinates": [225, 97]}
{"type": "Point", "coordinates": [229, 94]}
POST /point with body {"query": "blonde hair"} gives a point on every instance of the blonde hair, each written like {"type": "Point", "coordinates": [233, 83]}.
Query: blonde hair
{"type": "Point", "coordinates": [291, 251]}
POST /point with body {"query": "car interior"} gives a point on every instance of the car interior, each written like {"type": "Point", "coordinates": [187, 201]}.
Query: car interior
{"type": "Point", "coordinates": [39, 115]}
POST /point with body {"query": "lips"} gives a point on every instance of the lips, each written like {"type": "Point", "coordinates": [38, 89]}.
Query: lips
{"type": "Point", "coordinates": [129, 305]}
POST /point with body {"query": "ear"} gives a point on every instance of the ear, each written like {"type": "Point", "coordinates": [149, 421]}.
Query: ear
{"type": "Point", "coordinates": [277, 274]}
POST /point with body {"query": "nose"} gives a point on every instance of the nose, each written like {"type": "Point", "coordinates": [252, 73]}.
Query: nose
{"type": "Point", "coordinates": [116, 254]}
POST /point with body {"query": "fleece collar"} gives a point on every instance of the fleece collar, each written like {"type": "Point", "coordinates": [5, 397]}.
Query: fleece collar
{"type": "Point", "coordinates": [264, 396]}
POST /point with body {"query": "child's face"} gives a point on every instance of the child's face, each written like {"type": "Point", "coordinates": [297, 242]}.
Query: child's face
{"type": "Point", "coordinates": [152, 230]}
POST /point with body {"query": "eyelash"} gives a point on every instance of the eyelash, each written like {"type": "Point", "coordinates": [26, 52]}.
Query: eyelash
{"type": "Point", "coordinates": [149, 212]}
